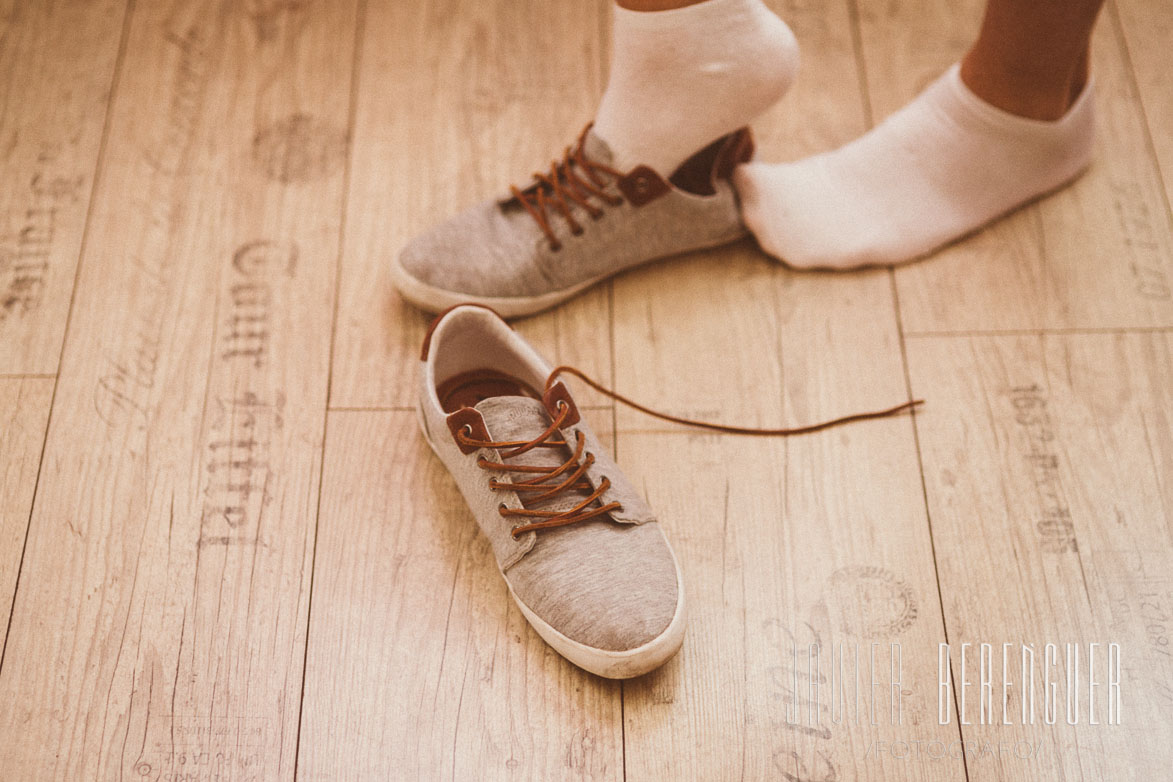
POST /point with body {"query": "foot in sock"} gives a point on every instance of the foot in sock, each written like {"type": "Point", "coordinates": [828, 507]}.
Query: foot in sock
{"type": "Point", "coordinates": [938, 169]}
{"type": "Point", "coordinates": [657, 164]}
{"type": "Point", "coordinates": [682, 78]}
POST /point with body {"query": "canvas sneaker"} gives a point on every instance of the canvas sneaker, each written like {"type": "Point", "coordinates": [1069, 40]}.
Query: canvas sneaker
{"type": "Point", "coordinates": [575, 225]}
{"type": "Point", "coordinates": [581, 552]}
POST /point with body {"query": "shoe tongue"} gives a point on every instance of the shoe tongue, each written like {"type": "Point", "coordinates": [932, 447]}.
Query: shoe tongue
{"type": "Point", "coordinates": [514, 417]}
{"type": "Point", "coordinates": [523, 418]}
{"type": "Point", "coordinates": [596, 149]}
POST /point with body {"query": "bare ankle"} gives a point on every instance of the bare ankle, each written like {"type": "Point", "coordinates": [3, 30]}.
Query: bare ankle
{"type": "Point", "coordinates": [1026, 94]}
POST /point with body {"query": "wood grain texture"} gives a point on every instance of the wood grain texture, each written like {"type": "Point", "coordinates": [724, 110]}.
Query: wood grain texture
{"type": "Point", "coordinates": [819, 539]}
{"type": "Point", "coordinates": [783, 543]}
{"type": "Point", "coordinates": [1088, 257]}
{"type": "Point", "coordinates": [189, 608]}
{"type": "Point", "coordinates": [159, 627]}
{"type": "Point", "coordinates": [513, 83]}
{"type": "Point", "coordinates": [1047, 464]}
{"type": "Point", "coordinates": [56, 69]}
{"type": "Point", "coordinates": [1146, 28]}
{"type": "Point", "coordinates": [24, 413]}
{"type": "Point", "coordinates": [825, 107]}
{"type": "Point", "coordinates": [420, 665]}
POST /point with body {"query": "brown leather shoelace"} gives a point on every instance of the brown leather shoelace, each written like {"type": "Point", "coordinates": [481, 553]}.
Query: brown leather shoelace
{"type": "Point", "coordinates": [553, 481]}
{"type": "Point", "coordinates": [562, 186]}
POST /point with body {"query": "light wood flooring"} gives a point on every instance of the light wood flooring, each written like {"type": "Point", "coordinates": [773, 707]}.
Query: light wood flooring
{"type": "Point", "coordinates": [226, 554]}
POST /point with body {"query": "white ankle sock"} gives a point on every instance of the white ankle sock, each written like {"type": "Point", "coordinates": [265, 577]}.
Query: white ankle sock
{"type": "Point", "coordinates": [683, 78]}
{"type": "Point", "coordinates": [941, 167]}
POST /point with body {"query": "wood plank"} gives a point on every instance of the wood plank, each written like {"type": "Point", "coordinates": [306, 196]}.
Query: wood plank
{"type": "Point", "coordinates": [1147, 28]}
{"type": "Point", "coordinates": [1047, 463]}
{"type": "Point", "coordinates": [57, 66]}
{"type": "Point", "coordinates": [1091, 256]}
{"type": "Point", "coordinates": [24, 407]}
{"type": "Point", "coordinates": [159, 626]}
{"type": "Point", "coordinates": [782, 542]}
{"type": "Point", "coordinates": [452, 107]}
{"type": "Point", "coordinates": [418, 659]}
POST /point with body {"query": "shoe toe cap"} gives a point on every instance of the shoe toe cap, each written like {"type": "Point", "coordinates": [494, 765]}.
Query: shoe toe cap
{"type": "Point", "coordinates": [478, 252]}
{"type": "Point", "coordinates": [607, 586]}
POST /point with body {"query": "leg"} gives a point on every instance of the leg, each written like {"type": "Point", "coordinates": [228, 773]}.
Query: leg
{"type": "Point", "coordinates": [1013, 121]}
{"type": "Point", "coordinates": [1031, 56]}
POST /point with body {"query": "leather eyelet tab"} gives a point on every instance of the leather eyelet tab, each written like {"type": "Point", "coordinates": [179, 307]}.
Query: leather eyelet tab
{"type": "Point", "coordinates": [467, 421]}
{"type": "Point", "coordinates": [555, 398]}
{"type": "Point", "coordinates": [642, 185]}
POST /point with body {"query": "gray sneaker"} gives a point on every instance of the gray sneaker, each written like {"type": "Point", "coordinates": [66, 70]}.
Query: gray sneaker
{"type": "Point", "coordinates": [576, 225]}
{"type": "Point", "coordinates": [581, 552]}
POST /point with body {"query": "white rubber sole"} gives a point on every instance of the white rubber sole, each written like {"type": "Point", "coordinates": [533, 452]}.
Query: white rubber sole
{"type": "Point", "coordinates": [432, 299]}
{"type": "Point", "coordinates": [609, 664]}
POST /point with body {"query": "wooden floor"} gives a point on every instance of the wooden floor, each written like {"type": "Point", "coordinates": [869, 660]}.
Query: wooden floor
{"type": "Point", "coordinates": [226, 554]}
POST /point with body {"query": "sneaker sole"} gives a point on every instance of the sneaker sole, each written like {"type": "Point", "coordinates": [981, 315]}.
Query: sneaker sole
{"type": "Point", "coordinates": [432, 299]}
{"type": "Point", "coordinates": [609, 664]}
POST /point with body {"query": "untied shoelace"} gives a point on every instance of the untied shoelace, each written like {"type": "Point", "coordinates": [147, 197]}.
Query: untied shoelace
{"type": "Point", "coordinates": [550, 482]}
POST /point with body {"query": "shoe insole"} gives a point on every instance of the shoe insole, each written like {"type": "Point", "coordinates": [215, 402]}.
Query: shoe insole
{"type": "Point", "coordinates": [469, 388]}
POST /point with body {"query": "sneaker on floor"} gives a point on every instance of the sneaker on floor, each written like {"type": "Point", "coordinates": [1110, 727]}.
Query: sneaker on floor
{"type": "Point", "coordinates": [581, 552]}
{"type": "Point", "coordinates": [579, 223]}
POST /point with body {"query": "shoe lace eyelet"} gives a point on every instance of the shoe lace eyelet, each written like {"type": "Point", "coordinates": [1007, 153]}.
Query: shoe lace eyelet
{"type": "Point", "coordinates": [578, 232]}
{"type": "Point", "coordinates": [502, 508]}
{"type": "Point", "coordinates": [555, 246]}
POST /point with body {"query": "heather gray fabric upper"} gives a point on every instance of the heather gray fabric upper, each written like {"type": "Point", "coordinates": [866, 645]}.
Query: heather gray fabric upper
{"type": "Point", "coordinates": [610, 586]}
{"type": "Point", "coordinates": [496, 249]}
{"type": "Point", "coordinates": [609, 583]}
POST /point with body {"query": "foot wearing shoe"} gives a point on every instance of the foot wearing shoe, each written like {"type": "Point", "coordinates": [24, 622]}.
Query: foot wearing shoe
{"type": "Point", "coordinates": [582, 553]}
{"type": "Point", "coordinates": [634, 188]}
{"type": "Point", "coordinates": [940, 168]}
{"type": "Point", "coordinates": [583, 221]}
